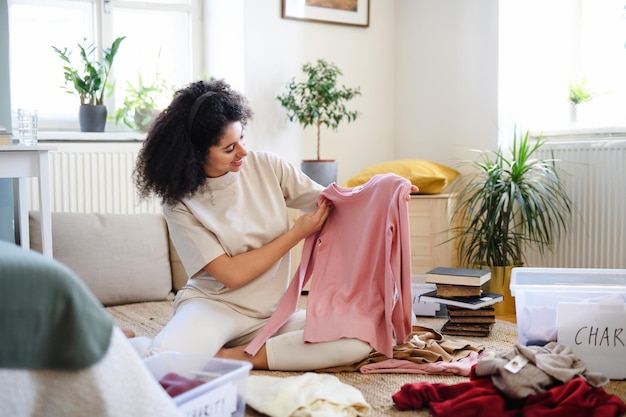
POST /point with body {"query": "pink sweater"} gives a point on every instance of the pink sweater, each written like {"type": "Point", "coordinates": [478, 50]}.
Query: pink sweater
{"type": "Point", "coordinates": [361, 267]}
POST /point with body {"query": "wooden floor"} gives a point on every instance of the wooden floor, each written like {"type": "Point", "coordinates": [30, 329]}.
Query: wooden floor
{"type": "Point", "coordinates": [512, 318]}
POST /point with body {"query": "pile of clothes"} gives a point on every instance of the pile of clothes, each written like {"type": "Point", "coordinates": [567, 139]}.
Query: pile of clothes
{"type": "Point", "coordinates": [525, 381]}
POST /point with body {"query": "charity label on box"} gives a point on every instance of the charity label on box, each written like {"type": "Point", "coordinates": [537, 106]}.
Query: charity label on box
{"type": "Point", "coordinates": [596, 333]}
{"type": "Point", "coordinates": [219, 402]}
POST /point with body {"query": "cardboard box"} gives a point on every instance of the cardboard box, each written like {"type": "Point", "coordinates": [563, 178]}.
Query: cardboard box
{"type": "Point", "coordinates": [582, 308]}
{"type": "Point", "coordinates": [224, 393]}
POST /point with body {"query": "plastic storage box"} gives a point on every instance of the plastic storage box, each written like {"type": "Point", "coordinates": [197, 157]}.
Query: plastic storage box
{"type": "Point", "coordinates": [224, 393]}
{"type": "Point", "coordinates": [539, 291]}
{"type": "Point", "coordinates": [584, 309]}
{"type": "Point", "coordinates": [422, 308]}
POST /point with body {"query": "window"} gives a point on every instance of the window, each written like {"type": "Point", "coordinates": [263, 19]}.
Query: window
{"type": "Point", "coordinates": [546, 45]}
{"type": "Point", "coordinates": [162, 36]}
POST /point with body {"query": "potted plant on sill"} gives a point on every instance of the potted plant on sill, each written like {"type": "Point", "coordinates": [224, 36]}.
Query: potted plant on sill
{"type": "Point", "coordinates": [87, 79]}
{"type": "Point", "coordinates": [317, 101]}
{"type": "Point", "coordinates": [511, 201]}
{"type": "Point", "coordinates": [143, 102]}
{"type": "Point", "coordinates": [579, 93]}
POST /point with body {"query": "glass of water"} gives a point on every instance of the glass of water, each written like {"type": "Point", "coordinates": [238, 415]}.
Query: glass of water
{"type": "Point", "coordinates": [27, 126]}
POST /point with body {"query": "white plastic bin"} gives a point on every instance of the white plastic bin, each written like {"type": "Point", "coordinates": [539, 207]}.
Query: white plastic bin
{"type": "Point", "coordinates": [538, 292]}
{"type": "Point", "coordinates": [421, 308]}
{"type": "Point", "coordinates": [224, 393]}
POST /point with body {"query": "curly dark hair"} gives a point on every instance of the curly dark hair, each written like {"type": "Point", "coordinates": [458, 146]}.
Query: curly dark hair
{"type": "Point", "coordinates": [170, 163]}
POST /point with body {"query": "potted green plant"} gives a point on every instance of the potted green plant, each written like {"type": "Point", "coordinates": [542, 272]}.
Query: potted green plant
{"type": "Point", "coordinates": [142, 102]}
{"type": "Point", "coordinates": [511, 201]}
{"type": "Point", "coordinates": [87, 79]}
{"type": "Point", "coordinates": [319, 101]}
{"type": "Point", "coordinates": [579, 93]}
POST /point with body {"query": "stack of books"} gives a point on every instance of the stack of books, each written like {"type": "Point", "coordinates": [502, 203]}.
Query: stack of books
{"type": "Point", "coordinates": [468, 322]}
{"type": "Point", "coordinates": [470, 309]}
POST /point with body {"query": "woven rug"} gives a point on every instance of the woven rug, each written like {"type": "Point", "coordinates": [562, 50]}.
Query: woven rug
{"type": "Point", "coordinates": [148, 318]}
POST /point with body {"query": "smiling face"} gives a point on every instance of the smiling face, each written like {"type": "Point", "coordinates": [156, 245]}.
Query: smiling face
{"type": "Point", "coordinates": [229, 154]}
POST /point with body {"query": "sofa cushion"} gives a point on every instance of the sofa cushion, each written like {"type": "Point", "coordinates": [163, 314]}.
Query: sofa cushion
{"type": "Point", "coordinates": [430, 177]}
{"type": "Point", "coordinates": [123, 258]}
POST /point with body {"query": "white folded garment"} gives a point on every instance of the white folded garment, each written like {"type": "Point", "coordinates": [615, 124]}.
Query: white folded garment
{"type": "Point", "coordinates": [306, 395]}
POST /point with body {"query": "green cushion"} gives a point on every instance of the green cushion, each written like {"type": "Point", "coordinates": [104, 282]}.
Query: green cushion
{"type": "Point", "coordinates": [48, 317]}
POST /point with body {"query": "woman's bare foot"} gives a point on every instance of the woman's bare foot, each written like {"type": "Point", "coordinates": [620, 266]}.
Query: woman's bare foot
{"type": "Point", "coordinates": [129, 333]}
{"type": "Point", "coordinates": [259, 361]}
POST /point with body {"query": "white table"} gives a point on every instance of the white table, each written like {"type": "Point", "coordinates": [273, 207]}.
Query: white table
{"type": "Point", "coordinates": [23, 162]}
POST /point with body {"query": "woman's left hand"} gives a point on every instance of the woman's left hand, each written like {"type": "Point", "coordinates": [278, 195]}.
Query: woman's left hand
{"type": "Point", "coordinates": [414, 190]}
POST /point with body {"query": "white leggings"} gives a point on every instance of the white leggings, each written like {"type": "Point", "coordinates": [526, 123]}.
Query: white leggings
{"type": "Point", "coordinates": [202, 326]}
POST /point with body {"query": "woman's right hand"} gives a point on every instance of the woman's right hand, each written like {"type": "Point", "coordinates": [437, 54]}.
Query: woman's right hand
{"type": "Point", "coordinates": [312, 222]}
{"type": "Point", "coordinates": [236, 271]}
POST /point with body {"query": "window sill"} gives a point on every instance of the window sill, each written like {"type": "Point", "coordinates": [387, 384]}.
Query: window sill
{"type": "Point", "coordinates": [615, 132]}
{"type": "Point", "coordinates": [73, 136]}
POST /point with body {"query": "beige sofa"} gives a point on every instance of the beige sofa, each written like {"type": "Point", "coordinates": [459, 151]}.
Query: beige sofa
{"type": "Point", "coordinates": [123, 258]}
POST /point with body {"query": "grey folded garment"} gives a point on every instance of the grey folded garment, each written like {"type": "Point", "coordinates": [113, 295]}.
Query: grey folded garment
{"type": "Point", "coordinates": [547, 366]}
{"type": "Point", "coordinates": [49, 319]}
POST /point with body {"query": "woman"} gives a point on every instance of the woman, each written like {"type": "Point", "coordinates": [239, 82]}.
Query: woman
{"type": "Point", "coordinates": [226, 210]}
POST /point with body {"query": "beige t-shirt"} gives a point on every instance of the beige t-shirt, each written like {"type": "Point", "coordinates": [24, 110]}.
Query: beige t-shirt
{"type": "Point", "coordinates": [236, 213]}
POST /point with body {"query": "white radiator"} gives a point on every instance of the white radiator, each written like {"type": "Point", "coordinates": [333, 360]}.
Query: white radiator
{"type": "Point", "coordinates": [595, 178]}
{"type": "Point", "coordinates": [94, 178]}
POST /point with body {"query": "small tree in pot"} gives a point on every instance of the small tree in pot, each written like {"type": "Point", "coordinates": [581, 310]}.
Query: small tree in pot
{"type": "Point", "coordinates": [88, 78]}
{"type": "Point", "coordinates": [511, 201]}
{"type": "Point", "coordinates": [319, 101]}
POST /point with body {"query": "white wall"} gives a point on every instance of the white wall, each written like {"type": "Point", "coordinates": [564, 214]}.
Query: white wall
{"type": "Point", "coordinates": [427, 71]}
{"type": "Point", "coordinates": [446, 78]}
{"type": "Point", "coordinates": [276, 48]}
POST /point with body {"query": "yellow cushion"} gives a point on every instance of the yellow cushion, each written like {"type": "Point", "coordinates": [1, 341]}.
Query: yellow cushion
{"type": "Point", "coordinates": [430, 177]}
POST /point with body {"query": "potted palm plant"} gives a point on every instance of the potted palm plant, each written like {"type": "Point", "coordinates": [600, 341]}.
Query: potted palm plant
{"type": "Point", "coordinates": [143, 101]}
{"type": "Point", "coordinates": [511, 201]}
{"type": "Point", "coordinates": [87, 79]}
{"type": "Point", "coordinates": [319, 101]}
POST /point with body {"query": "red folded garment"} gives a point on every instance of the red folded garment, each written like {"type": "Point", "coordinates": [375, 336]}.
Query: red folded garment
{"type": "Point", "coordinates": [175, 384]}
{"type": "Point", "coordinates": [466, 399]}
{"type": "Point", "coordinates": [480, 397]}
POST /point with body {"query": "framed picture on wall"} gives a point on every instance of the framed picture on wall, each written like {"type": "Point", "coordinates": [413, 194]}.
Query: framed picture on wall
{"type": "Point", "coordinates": [342, 12]}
